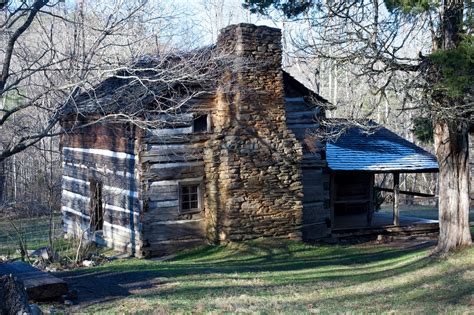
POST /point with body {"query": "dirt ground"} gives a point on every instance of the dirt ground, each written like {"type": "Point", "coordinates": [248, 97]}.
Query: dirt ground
{"type": "Point", "coordinates": [98, 287]}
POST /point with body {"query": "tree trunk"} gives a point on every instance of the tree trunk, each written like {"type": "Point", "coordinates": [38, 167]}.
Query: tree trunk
{"type": "Point", "coordinates": [13, 297]}
{"type": "Point", "coordinates": [2, 180]}
{"type": "Point", "coordinates": [451, 145]}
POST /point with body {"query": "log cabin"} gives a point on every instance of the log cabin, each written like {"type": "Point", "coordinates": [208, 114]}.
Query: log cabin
{"type": "Point", "coordinates": [237, 162]}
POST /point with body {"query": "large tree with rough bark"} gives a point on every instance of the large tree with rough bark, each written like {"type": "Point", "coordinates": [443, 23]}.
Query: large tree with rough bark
{"type": "Point", "coordinates": [377, 38]}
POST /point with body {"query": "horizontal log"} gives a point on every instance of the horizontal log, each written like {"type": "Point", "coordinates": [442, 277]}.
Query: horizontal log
{"type": "Point", "coordinates": [176, 139]}
{"type": "Point", "coordinates": [170, 131]}
{"type": "Point", "coordinates": [297, 105]}
{"type": "Point", "coordinates": [92, 141]}
{"type": "Point", "coordinates": [315, 213]}
{"type": "Point", "coordinates": [315, 231]}
{"type": "Point", "coordinates": [101, 152]}
{"type": "Point", "coordinates": [404, 192]}
{"type": "Point", "coordinates": [191, 229]}
{"type": "Point", "coordinates": [169, 173]}
{"type": "Point", "coordinates": [113, 231]}
{"type": "Point", "coordinates": [355, 200]}
{"type": "Point", "coordinates": [166, 149]}
{"type": "Point", "coordinates": [159, 224]}
{"type": "Point", "coordinates": [312, 127]}
{"type": "Point", "coordinates": [75, 221]}
{"type": "Point", "coordinates": [162, 213]}
{"type": "Point", "coordinates": [171, 247]}
{"type": "Point", "coordinates": [94, 156]}
{"type": "Point", "coordinates": [420, 228]}
{"type": "Point", "coordinates": [301, 116]}
{"type": "Point", "coordinates": [162, 196]}
{"type": "Point", "coordinates": [108, 177]}
{"type": "Point", "coordinates": [124, 245]}
{"type": "Point", "coordinates": [76, 187]}
{"type": "Point", "coordinates": [87, 161]}
{"type": "Point", "coordinates": [112, 219]}
{"type": "Point", "coordinates": [311, 176]}
{"type": "Point", "coordinates": [173, 158]}
{"type": "Point", "coordinates": [172, 152]}
{"type": "Point", "coordinates": [184, 117]}
{"type": "Point", "coordinates": [110, 198]}
{"type": "Point", "coordinates": [169, 214]}
{"type": "Point", "coordinates": [301, 133]}
{"type": "Point", "coordinates": [38, 285]}
{"type": "Point", "coordinates": [162, 204]}
{"type": "Point", "coordinates": [108, 129]}
{"type": "Point", "coordinates": [159, 189]}
{"type": "Point", "coordinates": [176, 181]}
{"type": "Point", "coordinates": [312, 156]}
{"type": "Point", "coordinates": [311, 163]}
{"type": "Point", "coordinates": [75, 201]}
{"type": "Point", "coordinates": [75, 226]}
{"type": "Point", "coordinates": [122, 201]}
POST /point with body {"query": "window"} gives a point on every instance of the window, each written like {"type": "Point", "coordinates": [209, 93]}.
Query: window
{"type": "Point", "coordinates": [190, 198]}
{"type": "Point", "coordinates": [201, 123]}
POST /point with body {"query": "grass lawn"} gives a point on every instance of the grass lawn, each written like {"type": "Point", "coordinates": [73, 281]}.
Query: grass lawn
{"type": "Point", "coordinates": [34, 230]}
{"type": "Point", "coordinates": [268, 276]}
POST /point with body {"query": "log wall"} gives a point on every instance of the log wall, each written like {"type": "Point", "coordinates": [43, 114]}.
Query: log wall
{"type": "Point", "coordinates": [172, 156]}
{"type": "Point", "coordinates": [107, 154]}
{"type": "Point", "coordinates": [302, 119]}
{"type": "Point", "coordinates": [255, 177]}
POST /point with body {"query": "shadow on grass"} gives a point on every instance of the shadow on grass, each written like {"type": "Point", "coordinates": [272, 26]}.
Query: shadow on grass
{"type": "Point", "coordinates": [279, 263]}
{"type": "Point", "coordinates": [384, 296]}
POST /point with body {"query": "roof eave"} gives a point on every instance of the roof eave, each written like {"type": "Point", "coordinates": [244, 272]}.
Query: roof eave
{"type": "Point", "coordinates": [398, 170]}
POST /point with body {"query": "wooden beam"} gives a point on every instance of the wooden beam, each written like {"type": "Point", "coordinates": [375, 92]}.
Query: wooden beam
{"type": "Point", "coordinates": [371, 209]}
{"type": "Point", "coordinates": [396, 199]}
{"type": "Point", "coordinates": [39, 285]}
{"type": "Point", "coordinates": [332, 194]}
{"type": "Point", "coordinates": [404, 192]}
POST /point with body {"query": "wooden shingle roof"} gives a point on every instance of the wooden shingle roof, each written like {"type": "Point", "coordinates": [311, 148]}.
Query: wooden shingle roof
{"type": "Point", "coordinates": [380, 150]}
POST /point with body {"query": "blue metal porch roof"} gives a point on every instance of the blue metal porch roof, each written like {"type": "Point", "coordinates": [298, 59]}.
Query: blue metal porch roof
{"type": "Point", "coordinates": [377, 151]}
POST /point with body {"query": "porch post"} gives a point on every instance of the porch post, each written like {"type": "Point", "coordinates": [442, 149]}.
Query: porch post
{"type": "Point", "coordinates": [396, 198]}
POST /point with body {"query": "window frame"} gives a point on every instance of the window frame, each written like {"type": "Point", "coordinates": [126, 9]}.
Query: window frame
{"type": "Point", "coordinates": [208, 121]}
{"type": "Point", "coordinates": [199, 197]}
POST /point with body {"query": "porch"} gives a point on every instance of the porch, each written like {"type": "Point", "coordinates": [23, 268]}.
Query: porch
{"type": "Point", "coordinates": [382, 224]}
{"type": "Point", "coordinates": [379, 219]}
{"type": "Point", "coordinates": [354, 159]}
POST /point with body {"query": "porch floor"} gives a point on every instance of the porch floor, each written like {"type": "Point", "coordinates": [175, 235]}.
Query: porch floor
{"type": "Point", "coordinates": [379, 219]}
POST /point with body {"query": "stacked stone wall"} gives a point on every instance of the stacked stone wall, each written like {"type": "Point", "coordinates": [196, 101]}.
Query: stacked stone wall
{"type": "Point", "coordinates": [253, 183]}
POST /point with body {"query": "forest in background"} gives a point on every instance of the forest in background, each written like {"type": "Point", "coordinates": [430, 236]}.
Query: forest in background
{"type": "Point", "coordinates": [31, 179]}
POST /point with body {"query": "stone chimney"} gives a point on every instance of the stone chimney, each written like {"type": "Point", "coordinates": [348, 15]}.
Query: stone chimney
{"type": "Point", "coordinates": [255, 74]}
{"type": "Point", "coordinates": [255, 187]}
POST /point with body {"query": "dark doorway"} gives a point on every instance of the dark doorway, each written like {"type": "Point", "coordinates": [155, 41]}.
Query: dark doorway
{"type": "Point", "coordinates": [96, 211]}
{"type": "Point", "coordinates": [352, 199]}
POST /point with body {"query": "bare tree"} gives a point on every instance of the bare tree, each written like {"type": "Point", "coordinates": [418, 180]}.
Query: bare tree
{"type": "Point", "coordinates": [53, 51]}
{"type": "Point", "coordinates": [54, 64]}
